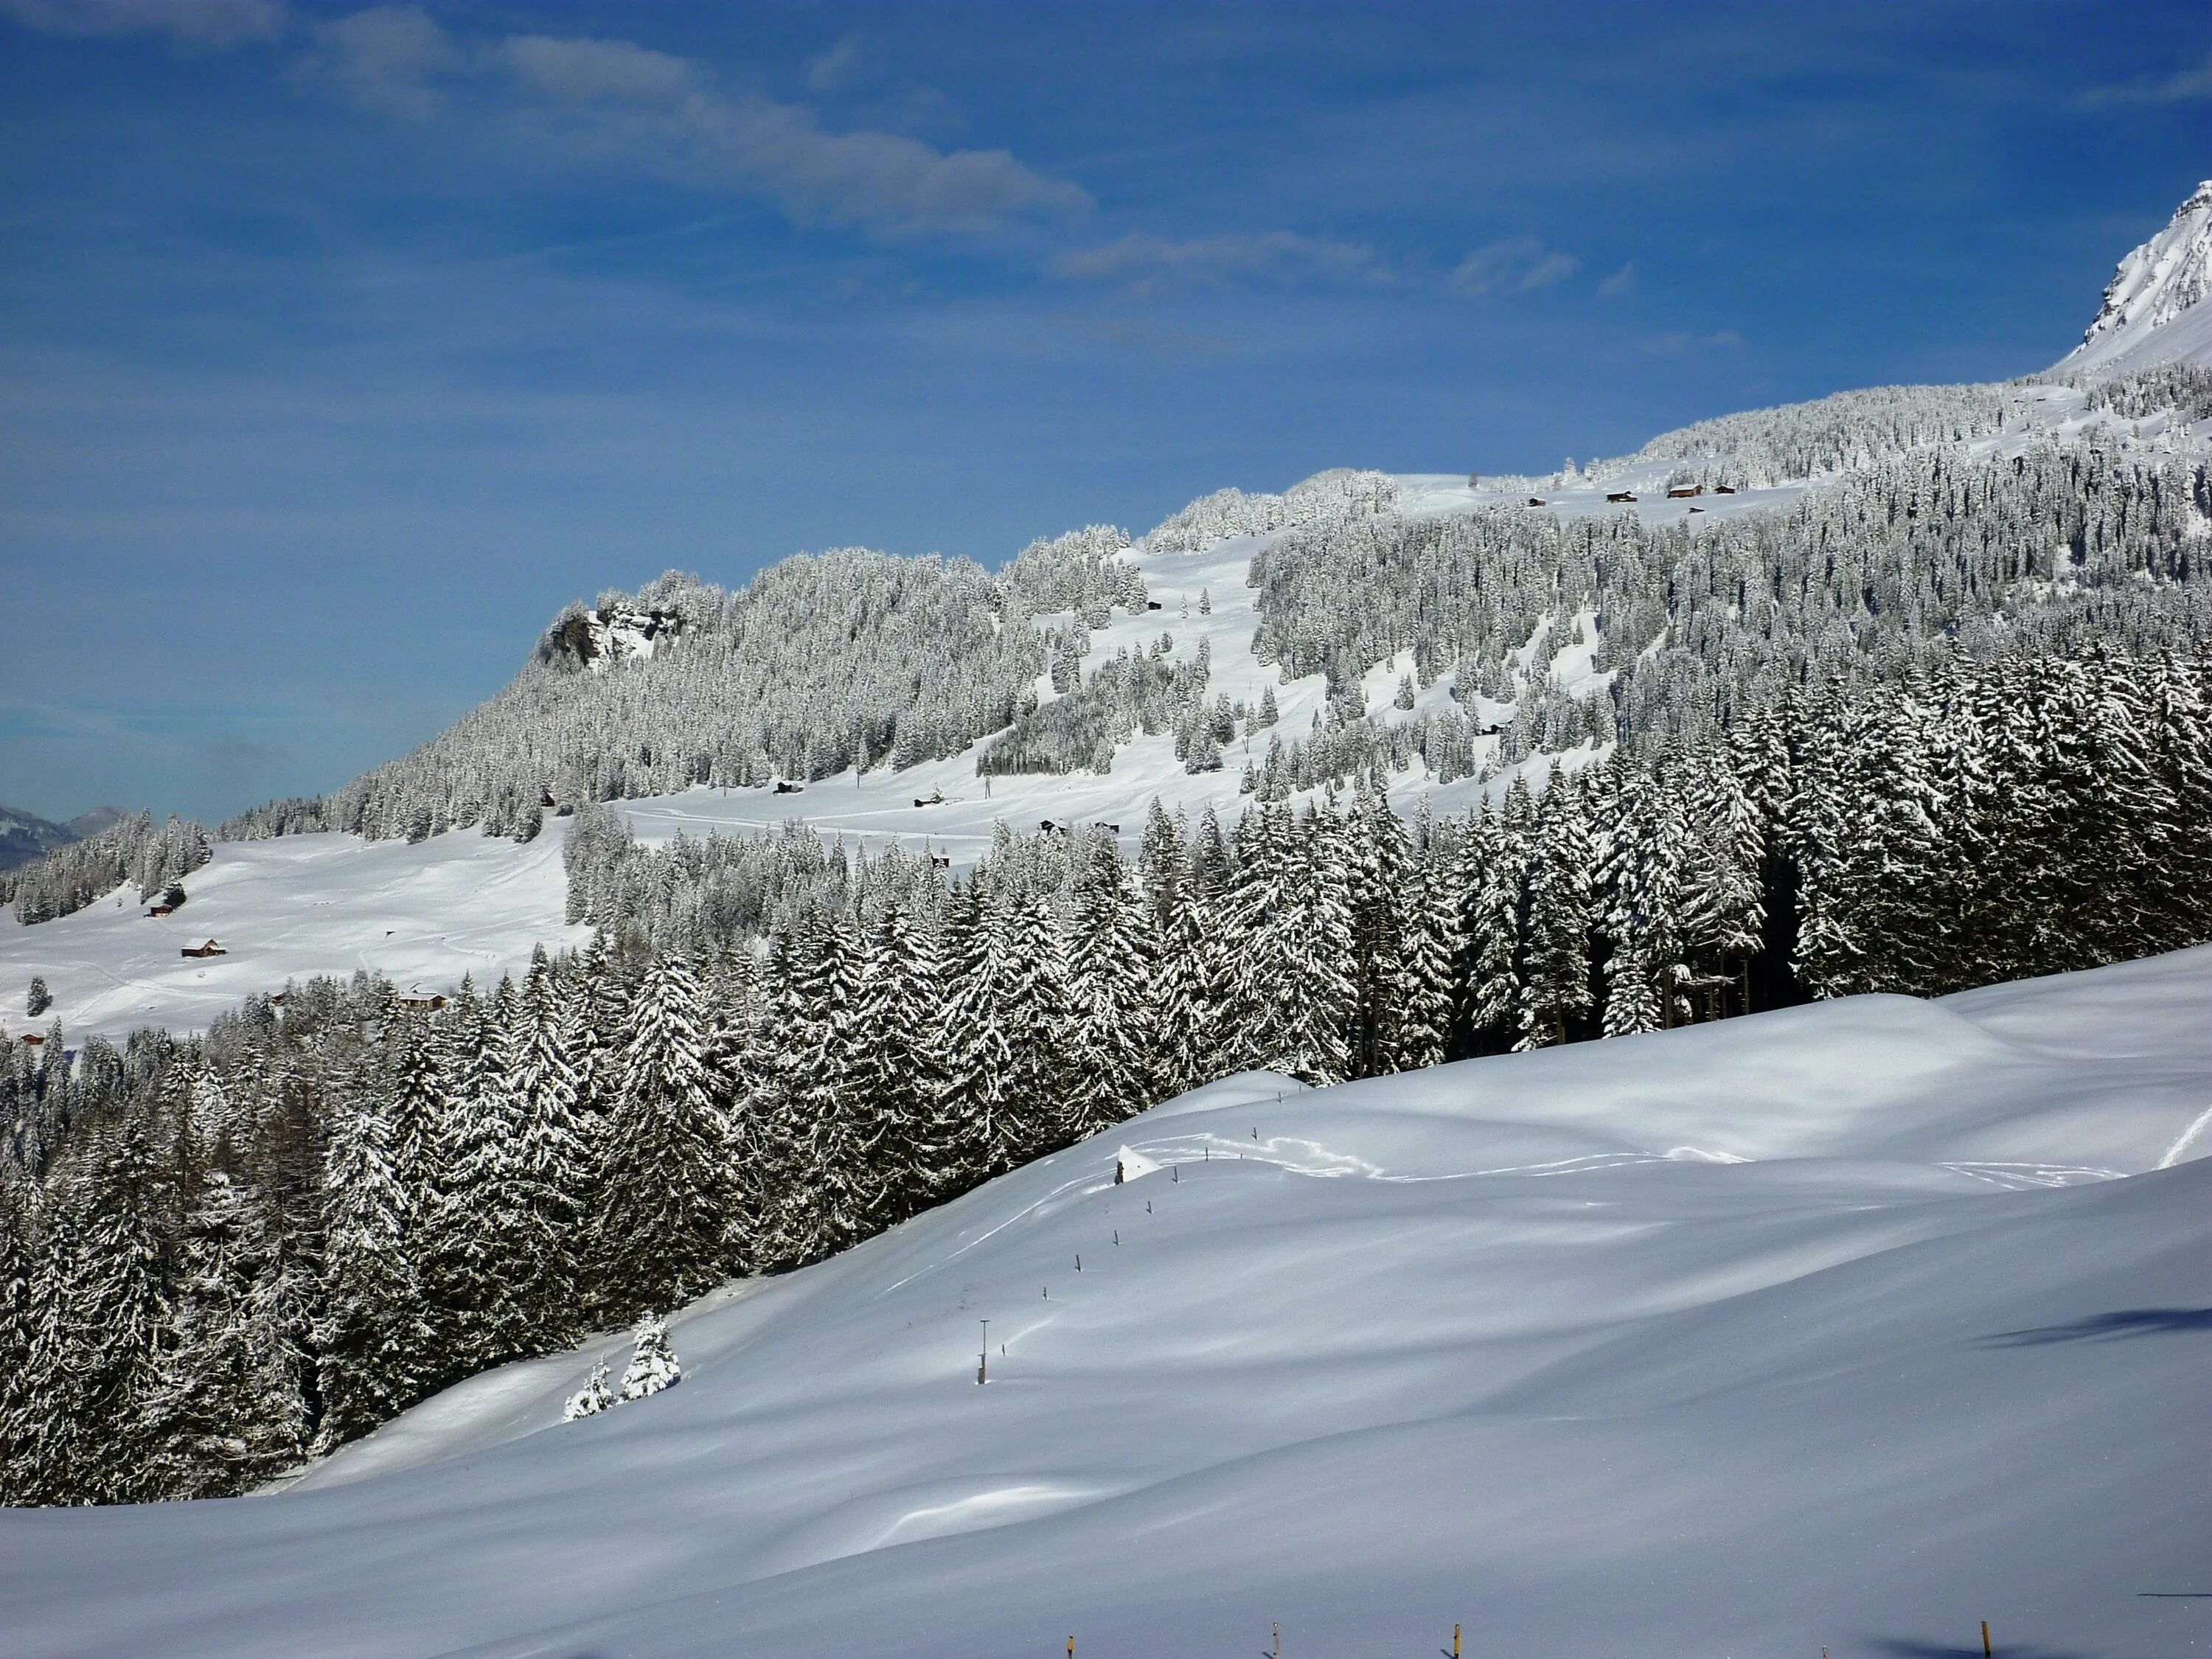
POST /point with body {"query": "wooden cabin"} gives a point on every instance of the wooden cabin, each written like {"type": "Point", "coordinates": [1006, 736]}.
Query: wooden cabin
{"type": "Point", "coordinates": [942, 861]}
{"type": "Point", "coordinates": [1151, 605]}
{"type": "Point", "coordinates": [162, 910]}
{"type": "Point", "coordinates": [1536, 500]}
{"type": "Point", "coordinates": [1723, 490]}
{"type": "Point", "coordinates": [431, 1003]}
{"type": "Point", "coordinates": [210, 949]}
{"type": "Point", "coordinates": [34, 1039]}
{"type": "Point", "coordinates": [1621, 496]}
{"type": "Point", "coordinates": [1683, 492]}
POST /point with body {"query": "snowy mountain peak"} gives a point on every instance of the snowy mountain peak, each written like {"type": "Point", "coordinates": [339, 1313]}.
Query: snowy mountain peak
{"type": "Point", "coordinates": [2157, 290]}
{"type": "Point", "coordinates": [2166, 276]}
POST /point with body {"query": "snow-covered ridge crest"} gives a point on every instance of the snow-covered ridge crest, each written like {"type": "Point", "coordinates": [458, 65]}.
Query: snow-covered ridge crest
{"type": "Point", "coordinates": [2166, 276]}
{"type": "Point", "coordinates": [2153, 311]}
{"type": "Point", "coordinates": [1339, 492]}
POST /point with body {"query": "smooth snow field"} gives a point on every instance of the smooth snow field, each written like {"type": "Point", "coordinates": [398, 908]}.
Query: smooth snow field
{"type": "Point", "coordinates": [423, 914]}
{"type": "Point", "coordinates": [1844, 1327]}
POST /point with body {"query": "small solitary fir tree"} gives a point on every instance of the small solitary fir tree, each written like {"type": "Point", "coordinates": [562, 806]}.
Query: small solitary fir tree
{"type": "Point", "coordinates": [591, 1398]}
{"type": "Point", "coordinates": [653, 1363]}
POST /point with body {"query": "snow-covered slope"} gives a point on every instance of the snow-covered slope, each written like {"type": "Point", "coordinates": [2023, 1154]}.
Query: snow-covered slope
{"type": "Point", "coordinates": [1846, 1327]}
{"type": "Point", "coordinates": [423, 913]}
{"type": "Point", "coordinates": [2154, 309]}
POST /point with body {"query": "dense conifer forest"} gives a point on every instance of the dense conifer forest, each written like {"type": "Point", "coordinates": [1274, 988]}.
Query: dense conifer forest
{"type": "Point", "coordinates": [221, 1254]}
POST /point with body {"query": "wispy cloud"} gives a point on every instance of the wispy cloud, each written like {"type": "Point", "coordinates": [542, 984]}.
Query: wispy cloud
{"type": "Point", "coordinates": [385, 57]}
{"type": "Point", "coordinates": [208, 24]}
{"type": "Point", "coordinates": [1621, 282]}
{"type": "Point", "coordinates": [2187, 86]}
{"type": "Point", "coordinates": [1520, 264]}
{"type": "Point", "coordinates": [1680, 343]}
{"type": "Point", "coordinates": [836, 67]}
{"type": "Point", "coordinates": [1149, 264]}
{"type": "Point", "coordinates": [586, 68]}
{"type": "Point", "coordinates": [672, 118]}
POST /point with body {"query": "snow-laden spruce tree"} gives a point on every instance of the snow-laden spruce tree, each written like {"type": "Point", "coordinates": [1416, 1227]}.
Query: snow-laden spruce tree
{"type": "Point", "coordinates": [653, 1363]}
{"type": "Point", "coordinates": [591, 1398]}
{"type": "Point", "coordinates": [486, 1237]}
{"type": "Point", "coordinates": [666, 1186]}
{"type": "Point", "coordinates": [97, 1320]}
{"type": "Point", "coordinates": [373, 1337]}
{"type": "Point", "coordinates": [1111, 964]}
{"type": "Point", "coordinates": [18, 1421]}
{"type": "Point", "coordinates": [222, 1411]}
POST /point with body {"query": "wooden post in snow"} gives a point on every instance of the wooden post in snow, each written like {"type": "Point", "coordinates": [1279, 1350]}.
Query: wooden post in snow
{"type": "Point", "coordinates": [1278, 1642]}
{"type": "Point", "coordinates": [1824, 1652]}
{"type": "Point", "coordinates": [1985, 1640]}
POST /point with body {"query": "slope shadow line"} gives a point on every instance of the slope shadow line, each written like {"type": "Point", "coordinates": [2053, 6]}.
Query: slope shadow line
{"type": "Point", "coordinates": [2107, 1327]}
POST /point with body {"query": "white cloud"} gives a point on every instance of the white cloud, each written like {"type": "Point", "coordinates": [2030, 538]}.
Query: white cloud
{"type": "Point", "coordinates": [1621, 282]}
{"type": "Point", "coordinates": [672, 120]}
{"type": "Point", "coordinates": [1149, 263]}
{"type": "Point", "coordinates": [1551, 268]}
{"type": "Point", "coordinates": [384, 57]}
{"type": "Point", "coordinates": [595, 68]}
{"type": "Point", "coordinates": [884, 180]}
{"type": "Point", "coordinates": [2187, 86]}
{"type": "Point", "coordinates": [205, 23]}
{"type": "Point", "coordinates": [1521, 264]}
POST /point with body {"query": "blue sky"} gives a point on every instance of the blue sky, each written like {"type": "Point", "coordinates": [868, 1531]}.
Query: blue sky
{"type": "Point", "coordinates": [339, 348]}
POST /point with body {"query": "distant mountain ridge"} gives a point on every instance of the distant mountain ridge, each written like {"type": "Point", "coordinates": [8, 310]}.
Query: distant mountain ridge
{"type": "Point", "coordinates": [26, 836]}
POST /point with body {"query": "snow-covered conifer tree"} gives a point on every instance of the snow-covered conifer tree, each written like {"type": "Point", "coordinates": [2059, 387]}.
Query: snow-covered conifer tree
{"type": "Point", "coordinates": [591, 1398]}
{"type": "Point", "coordinates": [374, 1338]}
{"type": "Point", "coordinates": [223, 1412]}
{"type": "Point", "coordinates": [98, 1313]}
{"type": "Point", "coordinates": [668, 1172]}
{"type": "Point", "coordinates": [653, 1363]}
{"type": "Point", "coordinates": [1555, 945]}
{"type": "Point", "coordinates": [1110, 954]}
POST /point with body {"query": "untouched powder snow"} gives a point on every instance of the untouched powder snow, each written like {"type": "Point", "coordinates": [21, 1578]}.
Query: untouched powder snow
{"type": "Point", "coordinates": [1847, 1327]}
{"type": "Point", "coordinates": [423, 913]}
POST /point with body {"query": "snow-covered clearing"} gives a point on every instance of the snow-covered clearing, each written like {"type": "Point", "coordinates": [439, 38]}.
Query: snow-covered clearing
{"type": "Point", "coordinates": [1847, 1327]}
{"type": "Point", "coordinates": [423, 913]}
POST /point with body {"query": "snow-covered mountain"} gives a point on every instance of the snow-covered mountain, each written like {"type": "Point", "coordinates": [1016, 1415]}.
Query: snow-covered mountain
{"type": "Point", "coordinates": [25, 836]}
{"type": "Point", "coordinates": [1849, 1326]}
{"type": "Point", "coordinates": [1457, 630]}
{"type": "Point", "coordinates": [2154, 311]}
